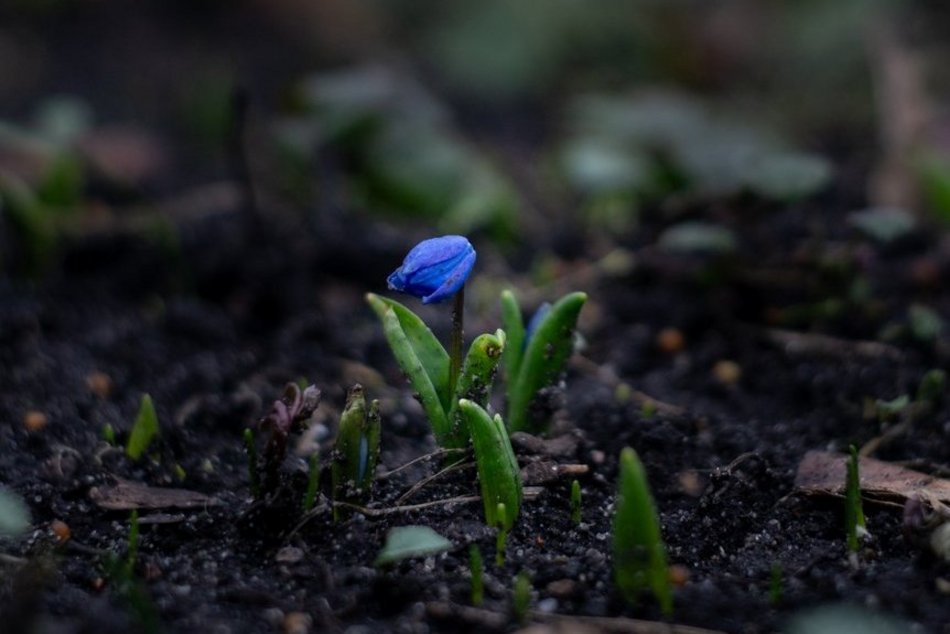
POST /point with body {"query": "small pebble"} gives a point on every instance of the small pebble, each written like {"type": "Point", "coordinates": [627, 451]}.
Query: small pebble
{"type": "Point", "coordinates": [690, 483]}
{"type": "Point", "coordinates": [100, 384]}
{"type": "Point", "coordinates": [679, 575]}
{"type": "Point", "coordinates": [35, 421]}
{"type": "Point", "coordinates": [670, 340]}
{"type": "Point", "coordinates": [297, 623]}
{"type": "Point", "coordinates": [61, 530]}
{"type": "Point", "coordinates": [727, 372]}
{"type": "Point", "coordinates": [562, 588]}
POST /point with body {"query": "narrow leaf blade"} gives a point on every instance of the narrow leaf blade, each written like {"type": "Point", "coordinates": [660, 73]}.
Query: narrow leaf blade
{"type": "Point", "coordinates": [544, 358]}
{"type": "Point", "coordinates": [498, 473]}
{"type": "Point", "coordinates": [144, 429]}
{"type": "Point", "coordinates": [513, 323]}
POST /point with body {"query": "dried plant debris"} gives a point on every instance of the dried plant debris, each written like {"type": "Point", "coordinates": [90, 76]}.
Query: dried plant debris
{"type": "Point", "coordinates": [823, 473]}
{"type": "Point", "coordinates": [125, 495]}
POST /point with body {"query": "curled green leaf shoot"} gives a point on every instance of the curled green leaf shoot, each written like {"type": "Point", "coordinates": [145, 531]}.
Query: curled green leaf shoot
{"type": "Point", "coordinates": [638, 549]}
{"type": "Point", "coordinates": [498, 473]}
{"type": "Point", "coordinates": [426, 364]}
{"type": "Point", "coordinates": [356, 452]}
{"type": "Point", "coordinates": [534, 361]}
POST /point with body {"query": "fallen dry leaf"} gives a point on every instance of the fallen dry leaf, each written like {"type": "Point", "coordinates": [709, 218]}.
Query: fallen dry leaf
{"type": "Point", "coordinates": [823, 473]}
{"type": "Point", "coordinates": [125, 496]}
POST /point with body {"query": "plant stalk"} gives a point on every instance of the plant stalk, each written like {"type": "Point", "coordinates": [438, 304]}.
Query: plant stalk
{"type": "Point", "coordinates": [455, 344]}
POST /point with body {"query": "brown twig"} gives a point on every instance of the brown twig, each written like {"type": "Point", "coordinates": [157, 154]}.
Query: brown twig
{"type": "Point", "coordinates": [803, 343]}
{"type": "Point", "coordinates": [415, 488]}
{"type": "Point", "coordinates": [620, 624]}
{"type": "Point", "coordinates": [424, 458]}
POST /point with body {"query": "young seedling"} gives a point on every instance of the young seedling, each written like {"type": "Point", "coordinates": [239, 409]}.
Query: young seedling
{"type": "Point", "coordinates": [251, 447]}
{"type": "Point", "coordinates": [313, 482]}
{"type": "Point", "coordinates": [476, 568]}
{"type": "Point", "coordinates": [498, 472]}
{"type": "Point", "coordinates": [108, 434]}
{"type": "Point", "coordinates": [501, 539]}
{"type": "Point", "coordinates": [287, 414]}
{"type": "Point", "coordinates": [521, 597]}
{"type": "Point", "coordinates": [854, 512]}
{"type": "Point", "coordinates": [576, 502]}
{"type": "Point", "coordinates": [356, 451]}
{"type": "Point", "coordinates": [536, 356]}
{"type": "Point", "coordinates": [639, 552]}
{"type": "Point", "coordinates": [144, 429]}
{"type": "Point", "coordinates": [435, 270]}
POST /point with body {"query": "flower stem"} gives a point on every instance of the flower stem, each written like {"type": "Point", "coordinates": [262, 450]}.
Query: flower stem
{"type": "Point", "coordinates": [455, 345]}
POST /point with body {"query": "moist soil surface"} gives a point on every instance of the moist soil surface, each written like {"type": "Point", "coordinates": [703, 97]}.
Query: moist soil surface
{"type": "Point", "coordinates": [721, 423]}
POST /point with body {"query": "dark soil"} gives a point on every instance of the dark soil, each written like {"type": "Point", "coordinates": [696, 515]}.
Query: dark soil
{"type": "Point", "coordinates": [258, 296]}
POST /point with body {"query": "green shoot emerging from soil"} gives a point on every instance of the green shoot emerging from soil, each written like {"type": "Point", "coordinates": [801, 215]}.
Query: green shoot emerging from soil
{"type": "Point", "coordinates": [144, 429]}
{"type": "Point", "coordinates": [854, 512]}
{"type": "Point", "coordinates": [576, 502]}
{"type": "Point", "coordinates": [536, 355]}
{"type": "Point", "coordinates": [498, 472]}
{"type": "Point", "coordinates": [501, 540]}
{"type": "Point", "coordinates": [476, 568]}
{"type": "Point", "coordinates": [639, 552]}
{"type": "Point", "coordinates": [356, 451]}
{"type": "Point", "coordinates": [251, 448]}
{"type": "Point", "coordinates": [521, 597]}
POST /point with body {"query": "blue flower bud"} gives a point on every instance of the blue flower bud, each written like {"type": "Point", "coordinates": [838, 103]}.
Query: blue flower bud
{"type": "Point", "coordinates": [536, 320]}
{"type": "Point", "coordinates": [435, 269]}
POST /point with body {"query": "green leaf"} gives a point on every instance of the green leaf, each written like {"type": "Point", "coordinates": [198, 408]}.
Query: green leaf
{"type": "Point", "coordinates": [407, 542]}
{"type": "Point", "coordinates": [513, 323]}
{"type": "Point", "coordinates": [639, 552]}
{"type": "Point", "coordinates": [883, 225]}
{"type": "Point", "coordinates": [14, 514]}
{"type": "Point", "coordinates": [144, 429]}
{"type": "Point", "coordinates": [357, 450]}
{"type": "Point", "coordinates": [498, 473]}
{"type": "Point", "coordinates": [544, 358]}
{"type": "Point", "coordinates": [853, 510]}
{"type": "Point", "coordinates": [696, 237]}
{"type": "Point", "coordinates": [474, 383]}
{"type": "Point", "coordinates": [421, 357]}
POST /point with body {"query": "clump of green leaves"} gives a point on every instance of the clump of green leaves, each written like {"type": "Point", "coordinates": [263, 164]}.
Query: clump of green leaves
{"type": "Point", "coordinates": [144, 429]}
{"type": "Point", "coordinates": [498, 472]}
{"type": "Point", "coordinates": [853, 511]}
{"type": "Point", "coordinates": [639, 551]}
{"type": "Point", "coordinates": [426, 364]}
{"type": "Point", "coordinates": [535, 356]}
{"type": "Point", "coordinates": [407, 542]}
{"type": "Point", "coordinates": [356, 452]}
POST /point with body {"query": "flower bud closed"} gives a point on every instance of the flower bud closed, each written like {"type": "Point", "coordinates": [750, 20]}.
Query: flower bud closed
{"type": "Point", "coordinates": [435, 269]}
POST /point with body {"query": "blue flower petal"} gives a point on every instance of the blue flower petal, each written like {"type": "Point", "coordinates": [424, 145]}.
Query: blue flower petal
{"type": "Point", "coordinates": [435, 268]}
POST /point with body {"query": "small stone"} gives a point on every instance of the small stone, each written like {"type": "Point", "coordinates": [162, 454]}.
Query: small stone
{"type": "Point", "coordinates": [727, 372]}
{"type": "Point", "coordinates": [100, 384]}
{"type": "Point", "coordinates": [35, 421]}
{"type": "Point", "coordinates": [690, 483]}
{"type": "Point", "coordinates": [562, 588]}
{"type": "Point", "coordinates": [679, 575]}
{"type": "Point", "coordinates": [61, 530]}
{"type": "Point", "coordinates": [670, 340]}
{"type": "Point", "coordinates": [297, 623]}
{"type": "Point", "coordinates": [289, 555]}
{"type": "Point", "coordinates": [597, 456]}
{"type": "Point", "coordinates": [274, 616]}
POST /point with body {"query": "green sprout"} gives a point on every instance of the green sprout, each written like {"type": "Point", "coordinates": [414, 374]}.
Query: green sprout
{"type": "Point", "coordinates": [639, 552]}
{"type": "Point", "coordinates": [144, 429]}
{"type": "Point", "coordinates": [313, 482]}
{"type": "Point", "coordinates": [477, 569]}
{"type": "Point", "coordinates": [253, 477]}
{"type": "Point", "coordinates": [576, 502]}
{"type": "Point", "coordinates": [536, 356]}
{"type": "Point", "coordinates": [501, 539]}
{"type": "Point", "coordinates": [521, 597]}
{"type": "Point", "coordinates": [357, 451]}
{"type": "Point", "coordinates": [108, 434]}
{"type": "Point", "coordinates": [853, 511]}
{"type": "Point", "coordinates": [498, 471]}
